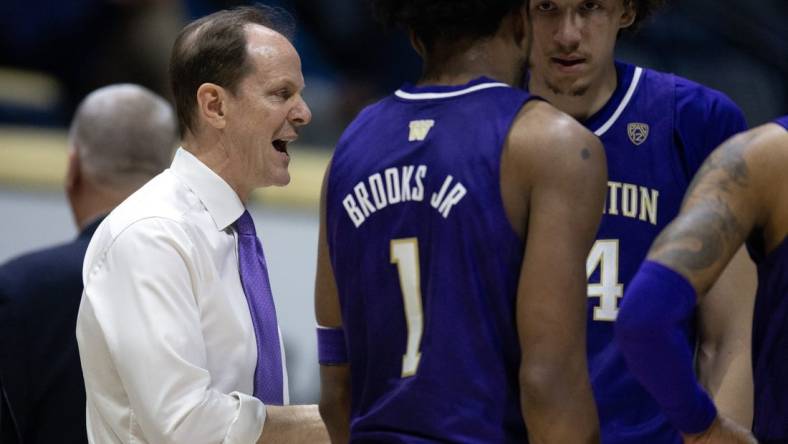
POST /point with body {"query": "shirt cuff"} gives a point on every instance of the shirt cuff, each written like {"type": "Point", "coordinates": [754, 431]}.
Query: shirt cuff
{"type": "Point", "coordinates": [248, 423]}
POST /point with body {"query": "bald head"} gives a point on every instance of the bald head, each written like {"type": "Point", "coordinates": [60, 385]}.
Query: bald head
{"type": "Point", "coordinates": [124, 135]}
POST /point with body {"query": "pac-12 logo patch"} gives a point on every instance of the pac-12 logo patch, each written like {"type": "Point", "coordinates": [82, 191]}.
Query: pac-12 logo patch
{"type": "Point", "coordinates": [638, 132]}
{"type": "Point", "coordinates": [419, 129]}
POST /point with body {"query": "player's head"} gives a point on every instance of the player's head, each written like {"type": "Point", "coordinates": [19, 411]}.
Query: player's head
{"type": "Point", "coordinates": [644, 9]}
{"type": "Point", "coordinates": [574, 40]}
{"type": "Point", "coordinates": [442, 29]}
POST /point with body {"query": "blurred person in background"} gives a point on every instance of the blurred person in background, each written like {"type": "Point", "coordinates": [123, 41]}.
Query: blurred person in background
{"type": "Point", "coordinates": [657, 129]}
{"type": "Point", "coordinates": [85, 44]}
{"type": "Point", "coordinates": [739, 196]}
{"type": "Point", "coordinates": [121, 137]}
{"type": "Point", "coordinates": [177, 329]}
{"type": "Point", "coordinates": [456, 217]}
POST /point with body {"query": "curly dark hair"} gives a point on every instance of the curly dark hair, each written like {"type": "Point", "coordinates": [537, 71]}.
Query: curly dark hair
{"type": "Point", "coordinates": [213, 49]}
{"type": "Point", "coordinates": [645, 9]}
{"type": "Point", "coordinates": [445, 20]}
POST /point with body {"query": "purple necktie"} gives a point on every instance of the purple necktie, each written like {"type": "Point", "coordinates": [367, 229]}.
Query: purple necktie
{"type": "Point", "coordinates": [254, 278]}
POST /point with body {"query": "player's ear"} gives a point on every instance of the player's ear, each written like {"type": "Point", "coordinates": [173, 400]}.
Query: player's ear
{"type": "Point", "coordinates": [520, 25]}
{"type": "Point", "coordinates": [628, 15]}
{"type": "Point", "coordinates": [417, 44]}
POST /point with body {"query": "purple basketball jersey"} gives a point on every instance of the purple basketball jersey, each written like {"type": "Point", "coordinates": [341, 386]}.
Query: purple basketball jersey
{"type": "Point", "coordinates": [427, 266]}
{"type": "Point", "coordinates": [657, 130]}
{"type": "Point", "coordinates": [770, 339]}
{"type": "Point", "coordinates": [782, 121]}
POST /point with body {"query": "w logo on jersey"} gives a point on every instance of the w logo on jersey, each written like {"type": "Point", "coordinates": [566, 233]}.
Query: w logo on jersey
{"type": "Point", "coordinates": [638, 132]}
{"type": "Point", "coordinates": [419, 129]}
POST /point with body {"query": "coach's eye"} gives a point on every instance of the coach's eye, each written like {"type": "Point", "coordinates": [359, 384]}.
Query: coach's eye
{"type": "Point", "coordinates": [284, 93]}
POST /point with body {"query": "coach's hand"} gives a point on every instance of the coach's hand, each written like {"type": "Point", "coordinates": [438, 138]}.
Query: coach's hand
{"type": "Point", "coordinates": [722, 431]}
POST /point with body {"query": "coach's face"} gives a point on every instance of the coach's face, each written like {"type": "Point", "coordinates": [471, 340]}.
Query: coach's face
{"type": "Point", "coordinates": [574, 42]}
{"type": "Point", "coordinates": [265, 113]}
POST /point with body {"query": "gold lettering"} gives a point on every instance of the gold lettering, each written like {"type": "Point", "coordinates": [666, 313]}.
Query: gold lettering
{"type": "Point", "coordinates": [629, 200]}
{"type": "Point", "coordinates": [613, 187]}
{"type": "Point", "coordinates": [648, 205]}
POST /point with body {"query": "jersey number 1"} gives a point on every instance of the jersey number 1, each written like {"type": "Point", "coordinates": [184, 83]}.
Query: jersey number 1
{"type": "Point", "coordinates": [604, 255]}
{"type": "Point", "coordinates": [405, 255]}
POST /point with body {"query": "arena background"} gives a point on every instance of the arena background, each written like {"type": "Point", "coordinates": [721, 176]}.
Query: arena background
{"type": "Point", "coordinates": [49, 60]}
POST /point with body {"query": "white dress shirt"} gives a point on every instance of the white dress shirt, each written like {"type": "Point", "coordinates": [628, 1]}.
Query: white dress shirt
{"type": "Point", "coordinates": [165, 334]}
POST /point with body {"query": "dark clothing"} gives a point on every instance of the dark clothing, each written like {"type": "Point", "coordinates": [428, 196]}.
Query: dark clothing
{"type": "Point", "coordinates": [770, 338]}
{"type": "Point", "coordinates": [427, 266]}
{"type": "Point", "coordinates": [657, 130]}
{"type": "Point", "coordinates": [40, 371]}
{"type": "Point", "coordinates": [770, 344]}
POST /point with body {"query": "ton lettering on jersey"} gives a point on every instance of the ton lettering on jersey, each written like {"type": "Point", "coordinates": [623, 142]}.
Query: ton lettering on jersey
{"type": "Point", "coordinates": [396, 185]}
{"type": "Point", "coordinates": [633, 201]}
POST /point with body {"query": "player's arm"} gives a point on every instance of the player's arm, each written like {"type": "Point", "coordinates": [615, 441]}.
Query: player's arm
{"type": "Point", "coordinates": [561, 168]}
{"type": "Point", "coordinates": [724, 356]}
{"type": "Point", "coordinates": [705, 120]}
{"type": "Point", "coordinates": [723, 204]}
{"type": "Point", "coordinates": [334, 374]}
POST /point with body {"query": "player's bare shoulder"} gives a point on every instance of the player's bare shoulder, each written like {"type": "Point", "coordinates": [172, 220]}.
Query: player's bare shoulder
{"type": "Point", "coordinates": [755, 162]}
{"type": "Point", "coordinates": [544, 140]}
{"type": "Point", "coordinates": [766, 154]}
{"type": "Point", "coordinates": [767, 148]}
{"type": "Point", "coordinates": [548, 150]}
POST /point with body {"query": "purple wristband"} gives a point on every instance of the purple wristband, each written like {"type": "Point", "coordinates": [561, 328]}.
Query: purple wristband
{"type": "Point", "coordinates": [331, 348]}
{"type": "Point", "coordinates": [650, 333]}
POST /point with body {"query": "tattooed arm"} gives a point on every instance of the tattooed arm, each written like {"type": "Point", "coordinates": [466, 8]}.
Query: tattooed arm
{"type": "Point", "coordinates": [741, 187]}
{"type": "Point", "coordinates": [717, 215]}
{"type": "Point", "coordinates": [737, 190]}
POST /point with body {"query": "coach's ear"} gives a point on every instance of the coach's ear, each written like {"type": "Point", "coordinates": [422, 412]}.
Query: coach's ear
{"type": "Point", "coordinates": [212, 105]}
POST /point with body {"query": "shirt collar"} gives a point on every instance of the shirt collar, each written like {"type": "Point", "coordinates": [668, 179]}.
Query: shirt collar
{"type": "Point", "coordinates": [219, 199]}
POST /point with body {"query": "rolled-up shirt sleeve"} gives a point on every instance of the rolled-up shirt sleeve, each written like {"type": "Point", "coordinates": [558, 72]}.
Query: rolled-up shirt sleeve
{"type": "Point", "coordinates": [140, 324]}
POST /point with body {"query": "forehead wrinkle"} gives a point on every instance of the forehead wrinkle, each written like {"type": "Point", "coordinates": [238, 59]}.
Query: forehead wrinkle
{"type": "Point", "coordinates": [280, 68]}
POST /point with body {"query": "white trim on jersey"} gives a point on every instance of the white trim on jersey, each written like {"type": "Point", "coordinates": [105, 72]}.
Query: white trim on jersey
{"type": "Point", "coordinates": [624, 102]}
{"type": "Point", "coordinates": [443, 95]}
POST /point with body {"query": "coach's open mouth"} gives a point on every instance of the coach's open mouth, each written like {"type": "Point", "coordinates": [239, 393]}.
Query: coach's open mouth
{"type": "Point", "coordinates": [280, 145]}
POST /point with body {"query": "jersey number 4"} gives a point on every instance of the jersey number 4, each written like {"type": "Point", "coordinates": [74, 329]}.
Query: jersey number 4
{"type": "Point", "coordinates": [604, 255]}
{"type": "Point", "coordinates": [405, 255]}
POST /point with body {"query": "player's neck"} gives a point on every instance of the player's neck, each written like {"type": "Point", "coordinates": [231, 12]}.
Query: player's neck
{"type": "Point", "coordinates": [488, 59]}
{"type": "Point", "coordinates": [579, 104]}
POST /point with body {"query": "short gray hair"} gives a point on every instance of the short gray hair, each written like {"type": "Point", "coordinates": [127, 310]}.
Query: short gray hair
{"type": "Point", "coordinates": [124, 135]}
